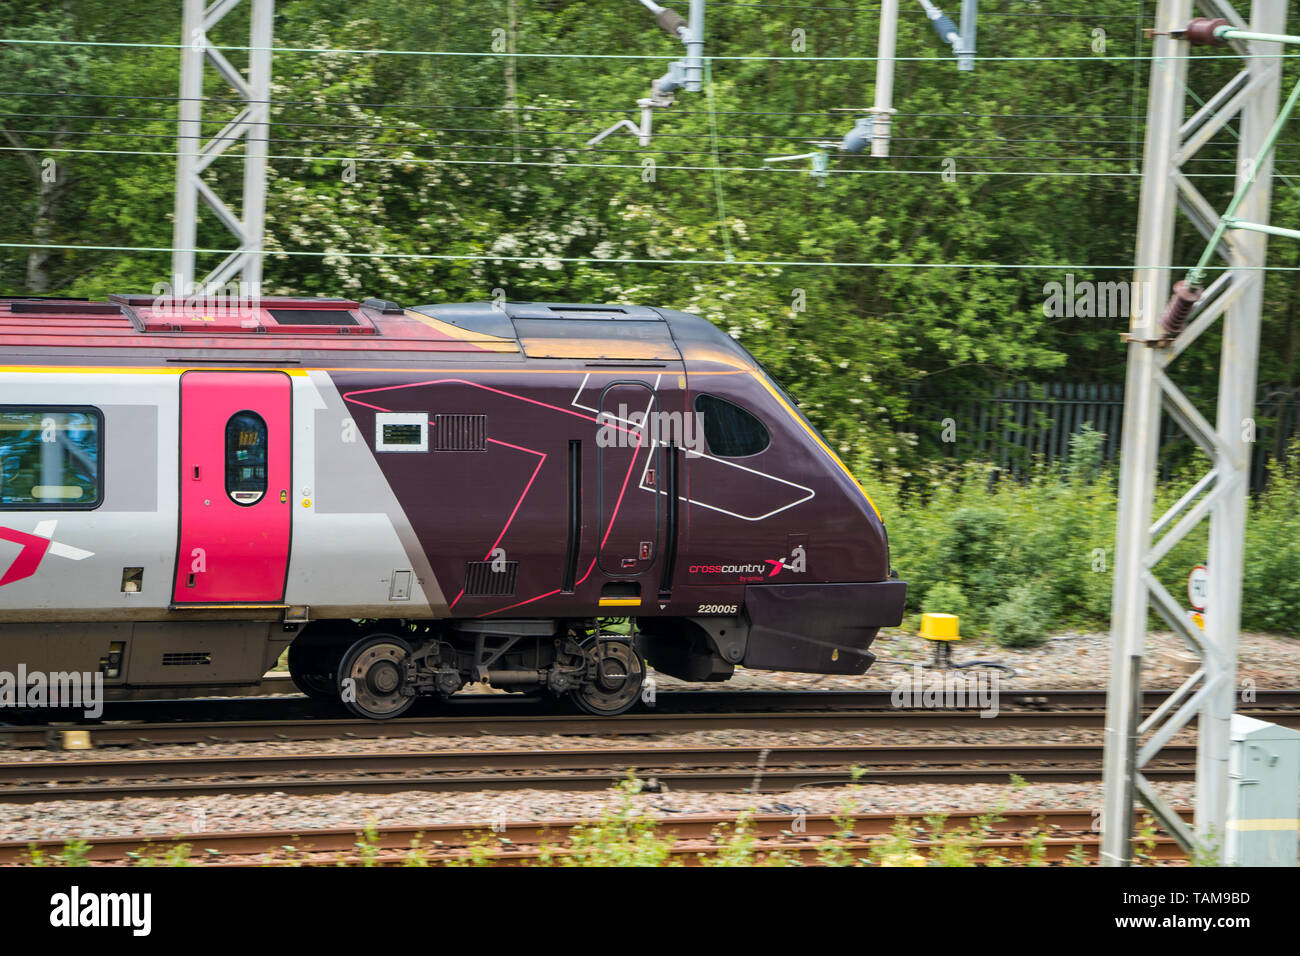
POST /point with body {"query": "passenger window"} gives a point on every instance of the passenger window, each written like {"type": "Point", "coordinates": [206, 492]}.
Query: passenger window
{"type": "Point", "coordinates": [49, 458]}
{"type": "Point", "coordinates": [729, 430]}
{"type": "Point", "coordinates": [246, 458]}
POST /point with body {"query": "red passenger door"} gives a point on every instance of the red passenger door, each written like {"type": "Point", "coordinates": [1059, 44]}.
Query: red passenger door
{"type": "Point", "coordinates": [234, 487]}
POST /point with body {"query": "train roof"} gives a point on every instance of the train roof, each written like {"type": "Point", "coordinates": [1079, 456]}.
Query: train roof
{"type": "Point", "coordinates": [379, 328]}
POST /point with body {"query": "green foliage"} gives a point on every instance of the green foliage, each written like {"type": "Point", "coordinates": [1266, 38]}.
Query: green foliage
{"type": "Point", "coordinates": [1036, 849]}
{"type": "Point", "coordinates": [1084, 463]}
{"type": "Point", "coordinates": [1024, 619]}
{"type": "Point", "coordinates": [1144, 843]}
{"type": "Point", "coordinates": [75, 853]}
{"type": "Point", "coordinates": [1077, 856]}
{"type": "Point", "coordinates": [1271, 585]}
{"type": "Point", "coordinates": [961, 846]}
{"type": "Point", "coordinates": [624, 836]}
{"type": "Point", "coordinates": [945, 598]}
{"type": "Point", "coordinates": [979, 533]}
{"type": "Point", "coordinates": [1042, 548]}
{"type": "Point", "coordinates": [899, 847]}
{"type": "Point", "coordinates": [483, 157]}
{"type": "Point", "coordinates": [173, 856]}
{"type": "Point", "coordinates": [835, 850]}
{"type": "Point", "coordinates": [368, 844]}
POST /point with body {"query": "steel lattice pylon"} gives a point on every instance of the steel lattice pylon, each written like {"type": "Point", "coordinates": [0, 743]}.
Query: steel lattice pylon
{"type": "Point", "coordinates": [194, 154]}
{"type": "Point", "coordinates": [1234, 299]}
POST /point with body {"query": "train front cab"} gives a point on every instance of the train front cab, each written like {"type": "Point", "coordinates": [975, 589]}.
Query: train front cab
{"type": "Point", "coordinates": [818, 612]}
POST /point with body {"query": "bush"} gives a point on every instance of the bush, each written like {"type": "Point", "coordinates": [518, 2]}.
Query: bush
{"type": "Point", "coordinates": [1271, 579]}
{"type": "Point", "coordinates": [975, 532]}
{"type": "Point", "coordinates": [945, 598]}
{"type": "Point", "coordinates": [1024, 619]}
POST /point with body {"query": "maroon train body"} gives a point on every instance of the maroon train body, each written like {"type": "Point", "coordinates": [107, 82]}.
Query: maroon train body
{"type": "Point", "coordinates": [414, 499]}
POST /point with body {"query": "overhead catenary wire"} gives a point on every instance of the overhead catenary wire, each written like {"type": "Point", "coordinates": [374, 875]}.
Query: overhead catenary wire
{"type": "Point", "coordinates": [714, 135]}
{"type": "Point", "coordinates": [590, 260]}
{"type": "Point", "coordinates": [106, 118]}
{"type": "Point", "coordinates": [765, 170]}
{"type": "Point", "coordinates": [534, 108]}
{"type": "Point", "coordinates": [581, 150]}
{"type": "Point", "coordinates": [757, 58]}
{"type": "Point", "coordinates": [540, 148]}
{"type": "Point", "coordinates": [549, 147]}
{"type": "Point", "coordinates": [1026, 15]}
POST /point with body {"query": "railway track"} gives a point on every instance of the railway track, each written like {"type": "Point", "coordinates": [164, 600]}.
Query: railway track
{"type": "Point", "coordinates": [771, 711]}
{"type": "Point", "coordinates": [285, 704]}
{"type": "Point", "coordinates": [725, 768]}
{"type": "Point", "coordinates": [799, 837]}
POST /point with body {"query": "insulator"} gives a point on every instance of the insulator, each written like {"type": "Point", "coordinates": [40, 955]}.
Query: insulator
{"type": "Point", "coordinates": [672, 81]}
{"type": "Point", "coordinates": [858, 138]}
{"type": "Point", "coordinates": [1200, 32]}
{"type": "Point", "coordinates": [1179, 308]}
{"type": "Point", "coordinates": [944, 26]}
{"type": "Point", "coordinates": [670, 20]}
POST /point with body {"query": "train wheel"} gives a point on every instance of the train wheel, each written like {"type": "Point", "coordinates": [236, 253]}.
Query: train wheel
{"type": "Point", "coordinates": [310, 667]}
{"type": "Point", "coordinates": [620, 673]}
{"type": "Point", "coordinates": [371, 675]}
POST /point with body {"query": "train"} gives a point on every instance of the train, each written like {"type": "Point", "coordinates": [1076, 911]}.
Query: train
{"type": "Point", "coordinates": [549, 498]}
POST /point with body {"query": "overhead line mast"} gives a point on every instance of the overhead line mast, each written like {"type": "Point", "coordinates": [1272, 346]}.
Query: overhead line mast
{"type": "Point", "coordinates": [1155, 341]}
{"type": "Point", "coordinates": [194, 155]}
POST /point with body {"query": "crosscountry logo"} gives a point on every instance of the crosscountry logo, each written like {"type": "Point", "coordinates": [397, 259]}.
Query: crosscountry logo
{"type": "Point", "coordinates": [34, 546]}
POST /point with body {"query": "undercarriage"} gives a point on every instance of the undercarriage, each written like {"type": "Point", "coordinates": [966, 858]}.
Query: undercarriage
{"type": "Point", "coordinates": [378, 669]}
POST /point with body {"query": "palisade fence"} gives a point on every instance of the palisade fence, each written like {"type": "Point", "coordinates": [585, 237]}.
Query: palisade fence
{"type": "Point", "coordinates": [1028, 422]}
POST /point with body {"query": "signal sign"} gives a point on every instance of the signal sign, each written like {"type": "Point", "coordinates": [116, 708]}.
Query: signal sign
{"type": "Point", "coordinates": [1198, 587]}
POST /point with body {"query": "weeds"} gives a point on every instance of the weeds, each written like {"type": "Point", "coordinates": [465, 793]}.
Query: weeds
{"type": "Point", "coordinates": [627, 834]}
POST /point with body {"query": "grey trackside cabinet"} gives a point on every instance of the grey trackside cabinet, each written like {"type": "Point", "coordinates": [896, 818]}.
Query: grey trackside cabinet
{"type": "Point", "coordinates": [1264, 788]}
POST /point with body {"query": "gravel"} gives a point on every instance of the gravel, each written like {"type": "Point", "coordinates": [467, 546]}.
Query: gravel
{"type": "Point", "coordinates": [705, 738]}
{"type": "Point", "coordinates": [1068, 661]}
{"type": "Point", "coordinates": [67, 819]}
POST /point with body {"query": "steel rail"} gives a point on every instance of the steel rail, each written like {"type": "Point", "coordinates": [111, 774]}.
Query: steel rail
{"type": "Point", "coordinates": [520, 842]}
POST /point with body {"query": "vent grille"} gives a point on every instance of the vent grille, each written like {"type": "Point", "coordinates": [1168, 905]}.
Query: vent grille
{"type": "Point", "coordinates": [312, 317]}
{"type": "Point", "coordinates": [460, 433]}
{"type": "Point", "coordinates": [55, 307]}
{"type": "Point", "coordinates": [481, 579]}
{"type": "Point", "coordinates": [186, 658]}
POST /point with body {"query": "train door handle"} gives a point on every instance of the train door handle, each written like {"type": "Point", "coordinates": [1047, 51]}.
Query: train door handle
{"type": "Point", "coordinates": [196, 472]}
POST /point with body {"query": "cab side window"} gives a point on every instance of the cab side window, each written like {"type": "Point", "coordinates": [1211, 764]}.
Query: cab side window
{"type": "Point", "coordinates": [50, 457]}
{"type": "Point", "coordinates": [729, 430]}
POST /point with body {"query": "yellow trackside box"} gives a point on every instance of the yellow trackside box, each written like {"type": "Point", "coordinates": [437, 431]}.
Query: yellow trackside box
{"type": "Point", "coordinates": [940, 627]}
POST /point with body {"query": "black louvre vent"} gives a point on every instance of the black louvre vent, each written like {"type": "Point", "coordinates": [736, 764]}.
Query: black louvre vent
{"type": "Point", "coordinates": [182, 658]}
{"type": "Point", "coordinates": [85, 308]}
{"type": "Point", "coordinates": [481, 579]}
{"type": "Point", "coordinates": [460, 433]}
{"type": "Point", "coordinates": [312, 317]}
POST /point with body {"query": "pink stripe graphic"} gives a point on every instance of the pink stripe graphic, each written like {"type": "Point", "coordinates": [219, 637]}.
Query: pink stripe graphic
{"type": "Point", "coordinates": [350, 397]}
{"type": "Point", "coordinates": [493, 546]}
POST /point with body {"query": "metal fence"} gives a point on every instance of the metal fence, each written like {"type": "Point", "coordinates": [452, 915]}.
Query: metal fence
{"type": "Point", "coordinates": [1033, 422]}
